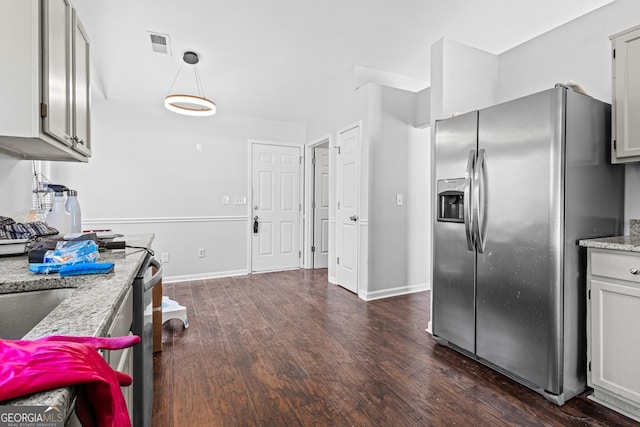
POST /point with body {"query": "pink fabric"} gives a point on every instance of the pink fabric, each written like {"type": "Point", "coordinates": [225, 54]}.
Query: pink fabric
{"type": "Point", "coordinates": [31, 366]}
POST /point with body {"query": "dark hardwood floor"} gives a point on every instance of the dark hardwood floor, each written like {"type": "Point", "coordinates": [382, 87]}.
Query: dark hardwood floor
{"type": "Point", "coordinates": [290, 349]}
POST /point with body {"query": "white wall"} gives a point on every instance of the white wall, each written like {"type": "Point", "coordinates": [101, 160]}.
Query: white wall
{"type": "Point", "coordinates": [147, 176]}
{"type": "Point", "coordinates": [398, 260]}
{"type": "Point", "coordinates": [15, 187]}
{"type": "Point", "coordinates": [463, 79]}
{"type": "Point", "coordinates": [580, 51]}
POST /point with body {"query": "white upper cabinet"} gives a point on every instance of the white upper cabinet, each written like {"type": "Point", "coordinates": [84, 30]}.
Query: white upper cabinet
{"type": "Point", "coordinates": [45, 107]}
{"type": "Point", "coordinates": [625, 125]}
{"type": "Point", "coordinates": [56, 82]}
{"type": "Point", "coordinates": [81, 93]}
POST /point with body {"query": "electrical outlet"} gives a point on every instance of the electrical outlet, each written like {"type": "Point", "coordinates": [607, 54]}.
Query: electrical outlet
{"type": "Point", "coordinates": [239, 200]}
{"type": "Point", "coordinates": [164, 257]}
{"type": "Point", "coordinates": [225, 200]}
{"type": "Point", "coordinates": [200, 252]}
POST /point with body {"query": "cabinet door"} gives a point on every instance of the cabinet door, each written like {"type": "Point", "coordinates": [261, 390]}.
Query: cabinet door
{"type": "Point", "coordinates": [56, 66]}
{"type": "Point", "coordinates": [81, 88]}
{"type": "Point", "coordinates": [615, 342]}
{"type": "Point", "coordinates": [126, 366]}
{"type": "Point", "coordinates": [626, 103]}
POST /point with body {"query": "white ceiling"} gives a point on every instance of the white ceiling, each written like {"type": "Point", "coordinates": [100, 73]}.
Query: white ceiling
{"type": "Point", "coordinates": [276, 59]}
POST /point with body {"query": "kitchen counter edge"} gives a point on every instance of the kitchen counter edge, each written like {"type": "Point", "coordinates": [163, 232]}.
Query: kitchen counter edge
{"type": "Point", "coordinates": [617, 243]}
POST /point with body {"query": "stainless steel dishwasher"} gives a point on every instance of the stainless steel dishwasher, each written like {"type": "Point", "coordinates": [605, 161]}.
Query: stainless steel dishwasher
{"type": "Point", "coordinates": [143, 284]}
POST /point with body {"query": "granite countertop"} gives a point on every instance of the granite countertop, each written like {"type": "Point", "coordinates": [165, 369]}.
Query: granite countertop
{"type": "Point", "coordinates": [630, 243]}
{"type": "Point", "coordinates": [618, 243]}
{"type": "Point", "coordinates": [88, 311]}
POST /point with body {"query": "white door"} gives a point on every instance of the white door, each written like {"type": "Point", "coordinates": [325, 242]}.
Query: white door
{"type": "Point", "coordinates": [348, 192]}
{"type": "Point", "coordinates": [321, 207]}
{"type": "Point", "coordinates": [275, 227]}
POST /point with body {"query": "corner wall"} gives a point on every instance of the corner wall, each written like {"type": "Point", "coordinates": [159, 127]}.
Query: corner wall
{"type": "Point", "coordinates": [398, 260]}
{"type": "Point", "coordinates": [394, 256]}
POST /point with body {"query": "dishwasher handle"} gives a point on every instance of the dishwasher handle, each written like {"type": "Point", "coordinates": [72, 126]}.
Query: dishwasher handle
{"type": "Point", "coordinates": [156, 277]}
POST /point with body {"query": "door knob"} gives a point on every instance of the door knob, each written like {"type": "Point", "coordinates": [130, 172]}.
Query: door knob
{"type": "Point", "coordinates": [353, 218]}
{"type": "Point", "coordinates": [634, 271]}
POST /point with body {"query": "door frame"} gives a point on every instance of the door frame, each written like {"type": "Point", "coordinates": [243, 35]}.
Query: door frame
{"type": "Point", "coordinates": [250, 144]}
{"type": "Point", "coordinates": [307, 255]}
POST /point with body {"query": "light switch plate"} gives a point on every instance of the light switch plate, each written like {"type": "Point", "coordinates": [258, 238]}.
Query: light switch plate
{"type": "Point", "coordinates": [399, 199]}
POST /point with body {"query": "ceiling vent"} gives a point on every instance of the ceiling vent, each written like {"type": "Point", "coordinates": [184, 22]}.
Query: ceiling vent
{"type": "Point", "coordinates": [160, 43]}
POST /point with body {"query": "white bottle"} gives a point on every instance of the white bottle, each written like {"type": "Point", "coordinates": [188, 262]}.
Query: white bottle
{"type": "Point", "coordinates": [73, 207]}
{"type": "Point", "coordinates": [59, 218]}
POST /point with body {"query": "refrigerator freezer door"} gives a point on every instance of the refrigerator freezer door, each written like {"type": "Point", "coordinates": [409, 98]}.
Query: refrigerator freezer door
{"type": "Point", "coordinates": [454, 264]}
{"type": "Point", "coordinates": [519, 285]}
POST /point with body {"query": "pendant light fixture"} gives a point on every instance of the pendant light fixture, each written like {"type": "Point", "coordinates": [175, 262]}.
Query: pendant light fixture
{"type": "Point", "coordinates": [190, 105]}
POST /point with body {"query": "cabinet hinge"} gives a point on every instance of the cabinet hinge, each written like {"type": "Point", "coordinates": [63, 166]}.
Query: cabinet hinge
{"type": "Point", "coordinates": [589, 365]}
{"type": "Point", "coordinates": [44, 110]}
{"type": "Point", "coordinates": [615, 144]}
{"type": "Point", "coordinates": [299, 254]}
{"type": "Point", "coordinates": [313, 248]}
{"type": "Point", "coordinates": [338, 205]}
{"type": "Point", "coordinates": [313, 160]}
{"type": "Point", "coordinates": [313, 205]}
{"type": "Point", "coordinates": [614, 54]}
{"type": "Point", "coordinates": [338, 150]}
{"type": "Point", "coordinates": [300, 159]}
{"type": "Point", "coordinates": [338, 261]}
{"type": "Point", "coordinates": [589, 294]}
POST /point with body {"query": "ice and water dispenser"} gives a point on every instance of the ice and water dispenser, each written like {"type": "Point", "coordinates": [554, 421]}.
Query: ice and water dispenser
{"type": "Point", "coordinates": [450, 200]}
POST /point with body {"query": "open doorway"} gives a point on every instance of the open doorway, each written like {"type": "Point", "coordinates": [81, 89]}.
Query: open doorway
{"type": "Point", "coordinates": [317, 203]}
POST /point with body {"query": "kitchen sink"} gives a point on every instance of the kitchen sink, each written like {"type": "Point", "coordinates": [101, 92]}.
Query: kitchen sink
{"type": "Point", "coordinates": [21, 311]}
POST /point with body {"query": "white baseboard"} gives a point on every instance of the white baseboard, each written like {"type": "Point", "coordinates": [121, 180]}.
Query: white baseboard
{"type": "Point", "coordinates": [203, 276]}
{"type": "Point", "coordinates": [394, 292]}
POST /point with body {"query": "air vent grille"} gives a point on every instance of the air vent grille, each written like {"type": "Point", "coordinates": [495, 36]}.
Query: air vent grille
{"type": "Point", "coordinates": [160, 43]}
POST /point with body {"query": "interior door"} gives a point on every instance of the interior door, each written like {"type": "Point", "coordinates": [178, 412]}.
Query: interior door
{"type": "Point", "coordinates": [275, 229]}
{"type": "Point", "coordinates": [348, 192]}
{"type": "Point", "coordinates": [321, 207]}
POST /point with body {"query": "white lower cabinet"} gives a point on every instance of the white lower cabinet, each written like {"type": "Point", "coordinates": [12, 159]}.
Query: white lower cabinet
{"type": "Point", "coordinates": [120, 360]}
{"type": "Point", "coordinates": [613, 329]}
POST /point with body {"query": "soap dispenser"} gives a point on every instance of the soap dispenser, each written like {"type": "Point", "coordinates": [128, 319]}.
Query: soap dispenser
{"type": "Point", "coordinates": [59, 218]}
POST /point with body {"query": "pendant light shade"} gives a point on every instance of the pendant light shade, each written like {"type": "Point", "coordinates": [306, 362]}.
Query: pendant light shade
{"type": "Point", "coordinates": [190, 105]}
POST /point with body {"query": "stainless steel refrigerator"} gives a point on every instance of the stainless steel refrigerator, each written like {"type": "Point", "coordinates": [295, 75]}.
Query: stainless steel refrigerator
{"type": "Point", "coordinates": [517, 185]}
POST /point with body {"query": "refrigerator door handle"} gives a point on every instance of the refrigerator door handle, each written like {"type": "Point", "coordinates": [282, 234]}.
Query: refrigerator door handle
{"type": "Point", "coordinates": [479, 209]}
{"type": "Point", "coordinates": [468, 184]}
